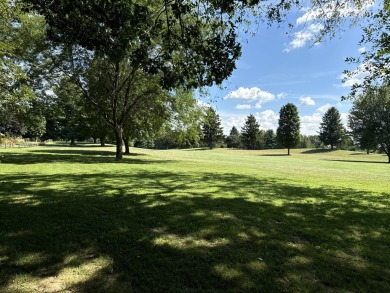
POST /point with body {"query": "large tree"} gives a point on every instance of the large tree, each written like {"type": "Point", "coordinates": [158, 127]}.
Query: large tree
{"type": "Point", "coordinates": [288, 132]}
{"type": "Point", "coordinates": [22, 42]}
{"type": "Point", "coordinates": [190, 43]}
{"type": "Point", "coordinates": [250, 133]}
{"type": "Point", "coordinates": [331, 128]}
{"type": "Point", "coordinates": [370, 117]}
{"type": "Point", "coordinates": [211, 127]}
{"type": "Point", "coordinates": [183, 127]}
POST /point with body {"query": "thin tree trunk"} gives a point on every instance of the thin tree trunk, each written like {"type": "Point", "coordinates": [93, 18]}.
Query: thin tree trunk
{"type": "Point", "coordinates": [127, 145]}
{"type": "Point", "coordinates": [119, 143]}
{"type": "Point", "coordinates": [288, 151]}
{"type": "Point", "coordinates": [368, 151]}
{"type": "Point", "coordinates": [72, 141]}
{"type": "Point", "coordinates": [102, 141]}
{"type": "Point", "coordinates": [94, 139]}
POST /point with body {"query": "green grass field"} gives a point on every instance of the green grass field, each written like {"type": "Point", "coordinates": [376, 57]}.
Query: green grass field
{"type": "Point", "coordinates": [74, 220]}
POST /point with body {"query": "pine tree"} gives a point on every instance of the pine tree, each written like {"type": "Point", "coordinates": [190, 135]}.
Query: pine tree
{"type": "Point", "coordinates": [289, 125]}
{"type": "Point", "coordinates": [250, 132]}
{"type": "Point", "coordinates": [233, 140]}
{"type": "Point", "coordinates": [331, 129]}
{"type": "Point", "coordinates": [211, 127]}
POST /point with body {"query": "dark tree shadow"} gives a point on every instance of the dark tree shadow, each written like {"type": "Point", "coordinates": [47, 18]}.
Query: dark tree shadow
{"type": "Point", "coordinates": [275, 155]}
{"type": "Point", "coordinates": [356, 161]}
{"type": "Point", "coordinates": [70, 155]}
{"type": "Point", "coordinates": [318, 151]}
{"type": "Point", "coordinates": [233, 233]}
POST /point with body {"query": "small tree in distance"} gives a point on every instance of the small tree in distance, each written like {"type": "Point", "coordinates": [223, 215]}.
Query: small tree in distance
{"type": "Point", "coordinates": [250, 132]}
{"type": "Point", "coordinates": [233, 140]}
{"type": "Point", "coordinates": [211, 128]}
{"type": "Point", "coordinates": [331, 129]}
{"type": "Point", "coordinates": [289, 126]}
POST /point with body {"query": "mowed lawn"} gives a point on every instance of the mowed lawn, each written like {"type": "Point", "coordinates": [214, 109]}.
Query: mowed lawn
{"type": "Point", "coordinates": [74, 220]}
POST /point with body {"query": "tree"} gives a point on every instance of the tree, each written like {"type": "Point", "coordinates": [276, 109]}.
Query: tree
{"type": "Point", "coordinates": [181, 42]}
{"type": "Point", "coordinates": [21, 43]}
{"type": "Point", "coordinates": [270, 139]}
{"type": "Point", "coordinates": [331, 129]}
{"type": "Point", "coordinates": [233, 140]}
{"type": "Point", "coordinates": [147, 118]}
{"type": "Point", "coordinates": [370, 119]}
{"type": "Point", "coordinates": [250, 133]}
{"type": "Point", "coordinates": [211, 127]}
{"type": "Point", "coordinates": [289, 126]}
{"type": "Point", "coordinates": [184, 43]}
{"type": "Point", "coordinates": [183, 126]}
{"type": "Point", "coordinates": [362, 127]}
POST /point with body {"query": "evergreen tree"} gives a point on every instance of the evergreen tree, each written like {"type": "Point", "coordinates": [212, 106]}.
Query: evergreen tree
{"type": "Point", "coordinates": [331, 129]}
{"type": "Point", "coordinates": [211, 127]}
{"type": "Point", "coordinates": [289, 125]}
{"type": "Point", "coordinates": [250, 132]}
{"type": "Point", "coordinates": [269, 139]}
{"type": "Point", "coordinates": [233, 140]}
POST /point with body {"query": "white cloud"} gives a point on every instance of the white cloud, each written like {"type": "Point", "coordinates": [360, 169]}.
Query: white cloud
{"type": "Point", "coordinates": [281, 95]}
{"type": "Point", "coordinates": [251, 94]}
{"type": "Point", "coordinates": [202, 104]}
{"type": "Point", "coordinates": [267, 119]}
{"type": "Point", "coordinates": [362, 50]}
{"type": "Point", "coordinates": [229, 121]}
{"type": "Point", "coordinates": [357, 76]}
{"type": "Point", "coordinates": [313, 18]}
{"type": "Point", "coordinates": [330, 9]}
{"type": "Point", "coordinates": [243, 106]}
{"type": "Point", "coordinates": [310, 124]}
{"type": "Point", "coordinates": [302, 37]}
{"type": "Point", "coordinates": [323, 108]}
{"type": "Point", "coordinates": [308, 101]}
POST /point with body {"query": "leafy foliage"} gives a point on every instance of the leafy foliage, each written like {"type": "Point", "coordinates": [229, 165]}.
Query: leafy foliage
{"type": "Point", "coordinates": [370, 120]}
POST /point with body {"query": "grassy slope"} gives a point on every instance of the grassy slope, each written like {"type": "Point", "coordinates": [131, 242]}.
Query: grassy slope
{"type": "Point", "coordinates": [193, 220]}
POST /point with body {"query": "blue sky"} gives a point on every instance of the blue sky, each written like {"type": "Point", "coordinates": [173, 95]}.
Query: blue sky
{"type": "Point", "coordinates": [278, 68]}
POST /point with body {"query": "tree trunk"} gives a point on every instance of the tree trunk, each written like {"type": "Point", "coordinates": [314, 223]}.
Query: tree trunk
{"type": "Point", "coordinates": [388, 155]}
{"type": "Point", "coordinates": [72, 141]}
{"type": "Point", "coordinates": [368, 151]}
{"type": "Point", "coordinates": [331, 147]}
{"type": "Point", "coordinates": [288, 151]}
{"type": "Point", "coordinates": [94, 139]}
{"type": "Point", "coordinates": [119, 142]}
{"type": "Point", "coordinates": [102, 141]}
{"type": "Point", "coordinates": [127, 146]}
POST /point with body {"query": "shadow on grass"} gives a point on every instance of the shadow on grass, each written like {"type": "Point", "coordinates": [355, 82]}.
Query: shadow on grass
{"type": "Point", "coordinates": [275, 155]}
{"type": "Point", "coordinates": [317, 151]}
{"type": "Point", "coordinates": [72, 155]}
{"type": "Point", "coordinates": [170, 232]}
{"type": "Point", "coordinates": [197, 149]}
{"type": "Point", "coordinates": [356, 161]}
